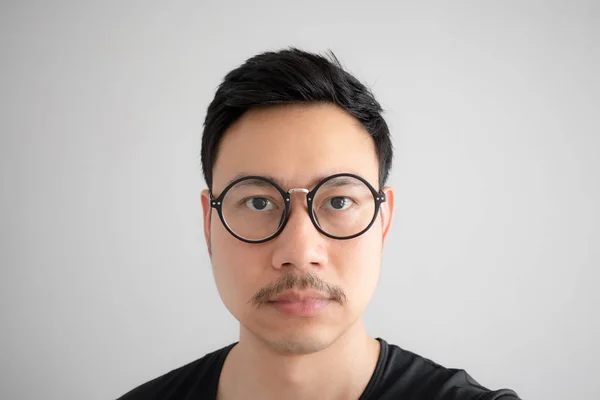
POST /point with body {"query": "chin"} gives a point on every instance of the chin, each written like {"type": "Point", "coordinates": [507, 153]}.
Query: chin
{"type": "Point", "coordinates": [298, 345]}
{"type": "Point", "coordinates": [296, 339]}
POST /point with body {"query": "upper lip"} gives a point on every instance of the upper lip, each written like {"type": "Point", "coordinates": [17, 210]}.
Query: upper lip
{"type": "Point", "coordinates": [295, 295]}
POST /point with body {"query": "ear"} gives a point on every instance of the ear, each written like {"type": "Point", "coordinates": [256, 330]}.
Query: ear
{"type": "Point", "coordinates": [206, 213]}
{"type": "Point", "coordinates": [387, 210]}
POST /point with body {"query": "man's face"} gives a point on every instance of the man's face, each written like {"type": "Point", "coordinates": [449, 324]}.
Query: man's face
{"type": "Point", "coordinates": [296, 144]}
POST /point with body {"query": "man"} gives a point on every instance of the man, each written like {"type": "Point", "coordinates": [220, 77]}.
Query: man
{"type": "Point", "coordinates": [296, 154]}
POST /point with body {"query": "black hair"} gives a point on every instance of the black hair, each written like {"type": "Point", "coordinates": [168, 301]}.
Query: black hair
{"type": "Point", "coordinates": [292, 76]}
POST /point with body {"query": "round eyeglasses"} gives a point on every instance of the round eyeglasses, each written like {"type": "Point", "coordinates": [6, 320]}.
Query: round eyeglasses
{"type": "Point", "coordinates": [255, 209]}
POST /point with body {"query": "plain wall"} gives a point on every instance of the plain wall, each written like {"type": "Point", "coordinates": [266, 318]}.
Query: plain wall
{"type": "Point", "coordinates": [492, 264]}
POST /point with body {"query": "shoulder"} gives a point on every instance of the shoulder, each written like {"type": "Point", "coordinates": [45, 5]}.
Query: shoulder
{"type": "Point", "coordinates": [195, 378]}
{"type": "Point", "coordinates": [403, 373]}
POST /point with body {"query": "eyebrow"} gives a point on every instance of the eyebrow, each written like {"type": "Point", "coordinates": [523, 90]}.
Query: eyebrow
{"type": "Point", "coordinates": [241, 175]}
{"type": "Point", "coordinates": [343, 181]}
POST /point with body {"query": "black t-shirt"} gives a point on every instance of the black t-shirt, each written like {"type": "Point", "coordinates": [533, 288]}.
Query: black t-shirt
{"type": "Point", "coordinates": [399, 374]}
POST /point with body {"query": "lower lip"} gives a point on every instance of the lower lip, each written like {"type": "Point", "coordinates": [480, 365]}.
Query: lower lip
{"type": "Point", "coordinates": [304, 308]}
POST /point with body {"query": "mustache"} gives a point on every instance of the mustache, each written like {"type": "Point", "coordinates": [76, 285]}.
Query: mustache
{"type": "Point", "coordinates": [289, 281]}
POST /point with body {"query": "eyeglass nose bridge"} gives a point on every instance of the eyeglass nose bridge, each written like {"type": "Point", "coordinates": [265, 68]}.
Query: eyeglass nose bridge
{"type": "Point", "coordinates": [294, 190]}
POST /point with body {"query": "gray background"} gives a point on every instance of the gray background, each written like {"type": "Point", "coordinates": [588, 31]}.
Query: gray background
{"type": "Point", "coordinates": [491, 266]}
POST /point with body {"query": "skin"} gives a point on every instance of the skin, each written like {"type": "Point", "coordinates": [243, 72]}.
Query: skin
{"type": "Point", "coordinates": [328, 355]}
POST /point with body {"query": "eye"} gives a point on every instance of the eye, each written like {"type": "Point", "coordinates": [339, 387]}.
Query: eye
{"type": "Point", "coordinates": [259, 204]}
{"type": "Point", "coordinates": [338, 203]}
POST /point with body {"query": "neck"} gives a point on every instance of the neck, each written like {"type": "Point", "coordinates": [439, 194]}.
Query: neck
{"type": "Point", "coordinates": [253, 369]}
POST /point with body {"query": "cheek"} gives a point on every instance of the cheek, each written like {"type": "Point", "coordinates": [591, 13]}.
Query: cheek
{"type": "Point", "coordinates": [234, 269]}
{"type": "Point", "coordinates": [359, 262]}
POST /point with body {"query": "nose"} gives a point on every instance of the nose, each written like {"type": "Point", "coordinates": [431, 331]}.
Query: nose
{"type": "Point", "coordinates": [300, 245]}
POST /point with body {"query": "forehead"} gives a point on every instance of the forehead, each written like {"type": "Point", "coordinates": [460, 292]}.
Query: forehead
{"type": "Point", "coordinates": [297, 145]}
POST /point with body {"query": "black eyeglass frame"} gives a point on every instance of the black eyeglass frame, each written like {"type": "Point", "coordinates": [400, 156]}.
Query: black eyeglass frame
{"type": "Point", "coordinates": [216, 203]}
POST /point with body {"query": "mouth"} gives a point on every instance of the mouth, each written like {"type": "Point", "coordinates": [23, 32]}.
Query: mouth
{"type": "Point", "coordinates": [300, 304]}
